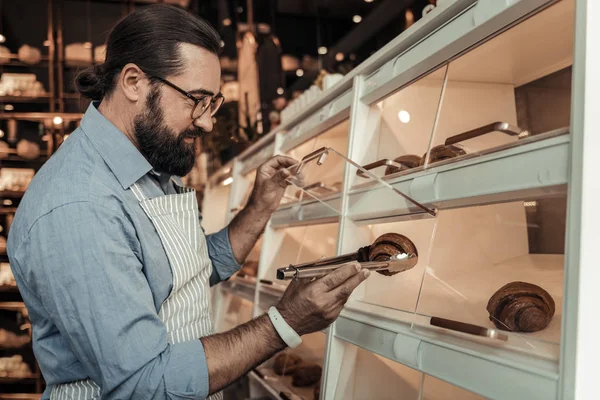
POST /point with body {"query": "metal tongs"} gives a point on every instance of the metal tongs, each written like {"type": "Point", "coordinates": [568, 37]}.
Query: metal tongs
{"type": "Point", "coordinates": [398, 262]}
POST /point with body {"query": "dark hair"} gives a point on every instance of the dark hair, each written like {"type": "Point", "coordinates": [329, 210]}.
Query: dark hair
{"type": "Point", "coordinates": [148, 37]}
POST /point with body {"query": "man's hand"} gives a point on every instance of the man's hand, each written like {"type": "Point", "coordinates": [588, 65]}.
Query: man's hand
{"type": "Point", "coordinates": [270, 184]}
{"type": "Point", "coordinates": [310, 306]}
{"type": "Point", "coordinates": [307, 306]}
{"type": "Point", "coordinates": [269, 187]}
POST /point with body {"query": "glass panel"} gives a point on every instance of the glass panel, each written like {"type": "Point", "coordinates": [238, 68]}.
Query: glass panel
{"type": "Point", "coordinates": [214, 207]}
{"type": "Point", "coordinates": [511, 90]}
{"type": "Point", "coordinates": [299, 245]}
{"type": "Point", "coordinates": [436, 389]}
{"type": "Point", "coordinates": [364, 375]}
{"type": "Point", "coordinates": [401, 127]}
{"type": "Point", "coordinates": [244, 189]}
{"type": "Point", "coordinates": [499, 268]}
{"type": "Point", "coordinates": [250, 266]}
{"type": "Point", "coordinates": [400, 291]}
{"type": "Point", "coordinates": [327, 180]}
{"type": "Point", "coordinates": [297, 372]}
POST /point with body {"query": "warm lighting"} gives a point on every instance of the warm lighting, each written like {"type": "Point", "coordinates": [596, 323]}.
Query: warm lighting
{"type": "Point", "coordinates": [339, 57]}
{"type": "Point", "coordinates": [227, 181]}
{"type": "Point", "coordinates": [57, 120]}
{"type": "Point", "coordinates": [65, 137]}
{"type": "Point", "coordinates": [47, 43]}
{"type": "Point", "coordinates": [1, 133]}
{"type": "Point", "coordinates": [226, 22]}
{"type": "Point", "coordinates": [368, 1]}
{"type": "Point", "coordinates": [280, 91]}
{"type": "Point", "coordinates": [87, 45]}
{"type": "Point", "coordinates": [1, 228]}
{"type": "Point", "coordinates": [7, 202]}
{"type": "Point", "coordinates": [299, 72]}
{"type": "Point", "coordinates": [322, 50]}
{"type": "Point", "coordinates": [357, 19]}
{"type": "Point", "coordinates": [2, 39]}
{"type": "Point", "coordinates": [530, 203]}
{"type": "Point", "coordinates": [410, 18]}
{"type": "Point", "coordinates": [404, 116]}
{"type": "Point", "coordinates": [222, 43]}
{"type": "Point", "coordinates": [9, 107]}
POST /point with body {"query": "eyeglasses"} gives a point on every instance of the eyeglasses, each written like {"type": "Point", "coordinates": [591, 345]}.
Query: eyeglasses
{"type": "Point", "coordinates": [201, 104]}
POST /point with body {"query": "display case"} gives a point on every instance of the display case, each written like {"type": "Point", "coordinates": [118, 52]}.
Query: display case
{"type": "Point", "coordinates": [294, 373]}
{"type": "Point", "coordinates": [215, 205]}
{"type": "Point", "coordinates": [462, 160]}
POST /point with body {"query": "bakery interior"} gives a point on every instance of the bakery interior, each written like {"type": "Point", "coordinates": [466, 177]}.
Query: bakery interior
{"type": "Point", "coordinates": [438, 150]}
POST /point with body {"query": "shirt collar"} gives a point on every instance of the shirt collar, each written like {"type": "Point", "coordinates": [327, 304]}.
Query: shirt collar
{"type": "Point", "coordinates": [119, 153]}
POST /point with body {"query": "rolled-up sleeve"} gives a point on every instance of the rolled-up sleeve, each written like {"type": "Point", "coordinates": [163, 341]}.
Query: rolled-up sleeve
{"type": "Point", "coordinates": [84, 263]}
{"type": "Point", "coordinates": [221, 255]}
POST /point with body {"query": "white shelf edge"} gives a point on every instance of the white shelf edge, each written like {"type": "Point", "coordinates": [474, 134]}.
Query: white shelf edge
{"type": "Point", "coordinates": [457, 365]}
{"type": "Point", "coordinates": [254, 376]}
{"type": "Point", "coordinates": [494, 177]}
{"type": "Point", "coordinates": [324, 123]}
{"type": "Point", "coordinates": [310, 212]}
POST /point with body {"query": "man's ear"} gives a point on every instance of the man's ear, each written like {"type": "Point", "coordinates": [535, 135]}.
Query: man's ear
{"type": "Point", "coordinates": [133, 82]}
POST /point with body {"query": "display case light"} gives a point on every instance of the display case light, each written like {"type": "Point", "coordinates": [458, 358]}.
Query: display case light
{"type": "Point", "coordinates": [2, 38]}
{"type": "Point", "coordinates": [404, 116]}
{"type": "Point", "coordinates": [322, 50]}
{"type": "Point", "coordinates": [227, 181]}
{"type": "Point", "coordinates": [57, 120]}
{"type": "Point", "coordinates": [226, 22]}
{"type": "Point", "coordinates": [356, 19]}
{"type": "Point", "coordinates": [299, 72]}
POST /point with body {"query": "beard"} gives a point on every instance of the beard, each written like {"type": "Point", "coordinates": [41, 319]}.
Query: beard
{"type": "Point", "coordinates": [165, 150]}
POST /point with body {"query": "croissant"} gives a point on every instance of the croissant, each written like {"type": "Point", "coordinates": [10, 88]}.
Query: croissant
{"type": "Point", "coordinates": [408, 161]}
{"type": "Point", "coordinates": [442, 152]}
{"type": "Point", "coordinates": [286, 363]}
{"type": "Point", "coordinates": [521, 307]}
{"type": "Point", "coordinates": [307, 375]}
{"type": "Point", "coordinates": [387, 245]}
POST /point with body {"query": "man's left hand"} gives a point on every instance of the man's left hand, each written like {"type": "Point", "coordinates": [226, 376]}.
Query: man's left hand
{"type": "Point", "coordinates": [271, 182]}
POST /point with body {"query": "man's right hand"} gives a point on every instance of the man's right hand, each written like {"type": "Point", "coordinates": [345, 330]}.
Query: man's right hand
{"type": "Point", "coordinates": [310, 306]}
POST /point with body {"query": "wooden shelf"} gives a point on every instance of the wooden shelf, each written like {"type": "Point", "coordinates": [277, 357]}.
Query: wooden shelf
{"type": "Point", "coordinates": [20, 396]}
{"type": "Point", "coordinates": [9, 380]}
{"type": "Point", "coordinates": [17, 63]}
{"type": "Point", "coordinates": [12, 305]}
{"type": "Point", "coordinates": [40, 116]}
{"type": "Point", "coordinates": [11, 194]}
{"type": "Point", "coordinates": [25, 99]}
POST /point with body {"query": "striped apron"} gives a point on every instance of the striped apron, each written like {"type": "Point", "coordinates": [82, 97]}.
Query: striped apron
{"type": "Point", "coordinates": [186, 311]}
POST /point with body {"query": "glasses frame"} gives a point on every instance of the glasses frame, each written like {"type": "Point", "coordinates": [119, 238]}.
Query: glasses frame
{"type": "Point", "coordinates": [197, 100]}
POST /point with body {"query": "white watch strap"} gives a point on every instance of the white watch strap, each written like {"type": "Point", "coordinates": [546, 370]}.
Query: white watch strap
{"type": "Point", "coordinates": [287, 334]}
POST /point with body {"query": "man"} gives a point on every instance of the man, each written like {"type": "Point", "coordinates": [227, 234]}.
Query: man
{"type": "Point", "coordinates": [106, 246]}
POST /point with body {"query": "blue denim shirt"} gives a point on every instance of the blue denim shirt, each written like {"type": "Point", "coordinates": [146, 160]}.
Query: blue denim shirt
{"type": "Point", "coordinates": [93, 273]}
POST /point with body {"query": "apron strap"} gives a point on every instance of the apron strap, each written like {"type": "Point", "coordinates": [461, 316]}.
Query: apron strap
{"type": "Point", "coordinates": [138, 192]}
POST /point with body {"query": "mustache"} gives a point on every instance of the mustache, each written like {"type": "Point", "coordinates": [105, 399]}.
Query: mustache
{"type": "Point", "coordinates": [192, 133]}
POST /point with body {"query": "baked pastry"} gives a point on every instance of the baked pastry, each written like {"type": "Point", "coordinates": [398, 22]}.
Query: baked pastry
{"type": "Point", "coordinates": [521, 307]}
{"type": "Point", "coordinates": [306, 375]}
{"type": "Point", "coordinates": [286, 363]}
{"type": "Point", "coordinates": [443, 152]}
{"type": "Point", "coordinates": [408, 161]}
{"type": "Point", "coordinates": [387, 245]}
